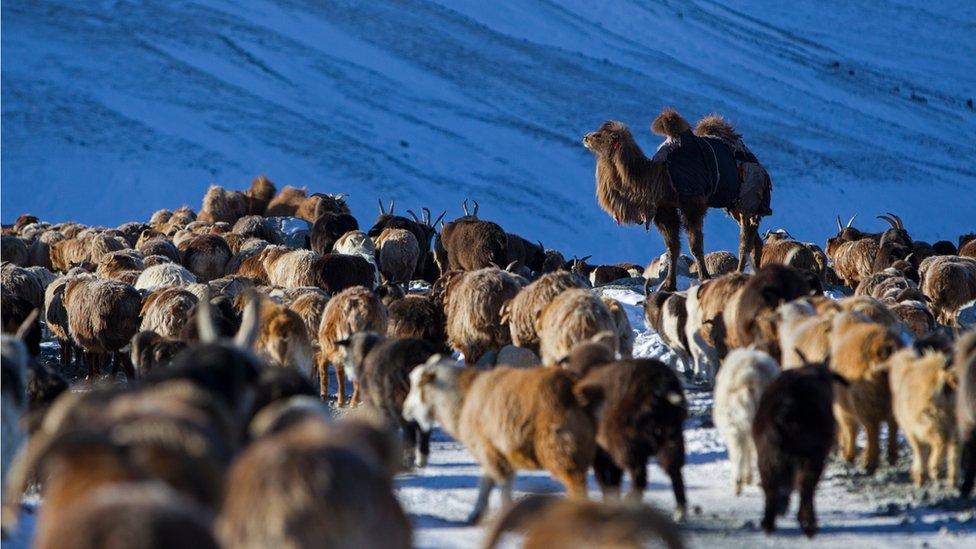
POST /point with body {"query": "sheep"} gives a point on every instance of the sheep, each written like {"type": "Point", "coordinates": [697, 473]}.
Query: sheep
{"type": "Point", "coordinates": [473, 309]}
{"type": "Point", "coordinates": [384, 379]}
{"type": "Point", "coordinates": [314, 489]}
{"type": "Point", "coordinates": [124, 266]}
{"type": "Point", "coordinates": [750, 319]}
{"type": "Point", "coordinates": [220, 204]}
{"type": "Point", "coordinates": [290, 269]}
{"type": "Point", "coordinates": [310, 306]}
{"type": "Point", "coordinates": [205, 256]}
{"type": "Point", "coordinates": [398, 253]}
{"type": "Point", "coordinates": [336, 272]}
{"type": "Point", "coordinates": [968, 249]}
{"type": "Point", "coordinates": [529, 302]}
{"type": "Point", "coordinates": [509, 355]}
{"type": "Point", "coordinates": [573, 316]}
{"type": "Point", "coordinates": [642, 410]}
{"type": "Point", "coordinates": [469, 244]}
{"type": "Point", "coordinates": [420, 317]}
{"type": "Point", "coordinates": [103, 315]}
{"type": "Point", "coordinates": [255, 226]}
{"type": "Point", "coordinates": [155, 517]}
{"type": "Point", "coordinates": [923, 400]}
{"type": "Point", "coordinates": [423, 229]}
{"type": "Point", "coordinates": [328, 228]}
{"type": "Point", "coordinates": [916, 316]}
{"type": "Point", "coordinates": [601, 275]}
{"type": "Point", "coordinates": [43, 275]}
{"type": "Point", "coordinates": [56, 317]}
{"type": "Point", "coordinates": [949, 283]}
{"type": "Point", "coordinates": [359, 243]}
{"type": "Point", "coordinates": [166, 274]}
{"type": "Point", "coordinates": [710, 324]}
{"type": "Point", "coordinates": [352, 310]}
{"type": "Point", "coordinates": [22, 283]}
{"type": "Point", "coordinates": [159, 246]}
{"type": "Point", "coordinates": [964, 364]}
{"type": "Point", "coordinates": [283, 339]}
{"type": "Point", "coordinates": [859, 350]}
{"type": "Point", "coordinates": [14, 250]}
{"type": "Point", "coordinates": [509, 419]}
{"type": "Point", "coordinates": [556, 522]}
{"type": "Point", "coordinates": [789, 252]}
{"type": "Point", "coordinates": [793, 432]}
{"type": "Point", "coordinates": [803, 334]}
{"type": "Point", "coordinates": [40, 248]}
{"type": "Point", "coordinates": [166, 310]}
{"type": "Point", "coordinates": [744, 376]}
{"type": "Point", "coordinates": [718, 263]}
{"type": "Point", "coordinates": [622, 328]}
{"type": "Point", "coordinates": [667, 315]}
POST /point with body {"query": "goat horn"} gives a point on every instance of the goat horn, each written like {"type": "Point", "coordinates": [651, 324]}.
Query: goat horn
{"type": "Point", "coordinates": [541, 246]}
{"type": "Point", "coordinates": [413, 215]}
{"type": "Point", "coordinates": [897, 219]}
{"type": "Point", "coordinates": [584, 258]}
{"type": "Point", "coordinates": [340, 196]}
{"type": "Point", "coordinates": [380, 202]}
{"type": "Point", "coordinates": [248, 331]}
{"type": "Point", "coordinates": [439, 218]}
{"type": "Point", "coordinates": [511, 266]}
{"type": "Point", "coordinates": [889, 220]}
{"type": "Point", "coordinates": [767, 233]}
{"type": "Point", "coordinates": [392, 206]}
{"type": "Point", "coordinates": [851, 221]}
{"type": "Point", "coordinates": [426, 212]}
{"type": "Point", "coordinates": [205, 326]}
{"type": "Point", "coordinates": [475, 202]}
{"type": "Point", "coordinates": [840, 227]}
{"type": "Point", "coordinates": [27, 324]}
{"type": "Point", "coordinates": [464, 206]}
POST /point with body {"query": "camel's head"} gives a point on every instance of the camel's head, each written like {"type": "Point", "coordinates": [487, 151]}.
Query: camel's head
{"type": "Point", "coordinates": [607, 139]}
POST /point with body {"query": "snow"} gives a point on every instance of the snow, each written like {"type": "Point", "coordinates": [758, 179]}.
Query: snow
{"type": "Point", "coordinates": [118, 108]}
{"type": "Point", "coordinates": [854, 510]}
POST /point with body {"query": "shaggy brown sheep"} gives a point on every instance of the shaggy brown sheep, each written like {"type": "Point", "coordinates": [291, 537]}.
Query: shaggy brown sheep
{"type": "Point", "coordinates": [528, 304]}
{"type": "Point", "coordinates": [420, 317]}
{"type": "Point", "coordinates": [352, 310]}
{"type": "Point", "coordinates": [103, 315]}
{"type": "Point", "coordinates": [205, 256]}
{"type": "Point", "coordinates": [473, 307]}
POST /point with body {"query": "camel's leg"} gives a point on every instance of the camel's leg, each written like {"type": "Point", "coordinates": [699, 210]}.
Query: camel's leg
{"type": "Point", "coordinates": [757, 245]}
{"type": "Point", "coordinates": [669, 224]}
{"type": "Point", "coordinates": [696, 240]}
{"type": "Point", "coordinates": [745, 243]}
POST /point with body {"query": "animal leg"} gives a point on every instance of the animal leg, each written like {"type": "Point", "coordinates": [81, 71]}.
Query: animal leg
{"type": "Point", "coordinates": [341, 382]}
{"type": "Point", "coordinates": [408, 435]}
{"type": "Point", "coordinates": [757, 246]}
{"type": "Point", "coordinates": [892, 442]}
{"type": "Point", "coordinates": [126, 362]}
{"type": "Point", "coordinates": [968, 463]}
{"type": "Point", "coordinates": [485, 486]}
{"type": "Point", "coordinates": [323, 379]}
{"type": "Point", "coordinates": [638, 482]}
{"type": "Point", "coordinates": [607, 474]}
{"type": "Point", "coordinates": [745, 244]}
{"type": "Point", "coordinates": [918, 467]}
{"type": "Point", "coordinates": [65, 352]}
{"type": "Point", "coordinates": [671, 459]}
{"type": "Point", "coordinates": [735, 460]}
{"type": "Point", "coordinates": [872, 449]}
{"type": "Point", "coordinates": [354, 400]}
{"type": "Point", "coordinates": [423, 448]}
{"type": "Point", "coordinates": [936, 458]}
{"type": "Point", "coordinates": [696, 241]}
{"type": "Point", "coordinates": [807, 516]}
{"type": "Point", "coordinates": [952, 461]}
{"type": "Point", "coordinates": [669, 224]}
{"type": "Point", "coordinates": [847, 435]}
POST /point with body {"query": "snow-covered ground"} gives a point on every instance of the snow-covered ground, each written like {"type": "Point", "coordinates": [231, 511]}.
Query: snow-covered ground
{"type": "Point", "coordinates": [854, 510]}
{"type": "Point", "coordinates": [115, 108]}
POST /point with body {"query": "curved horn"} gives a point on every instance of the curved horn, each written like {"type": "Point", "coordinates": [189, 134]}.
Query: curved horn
{"type": "Point", "coordinates": [248, 331]}
{"type": "Point", "coordinates": [840, 227]}
{"type": "Point", "coordinates": [475, 202]}
{"type": "Point", "coordinates": [380, 202]}
{"type": "Point", "coordinates": [901, 224]}
{"type": "Point", "coordinates": [27, 324]}
{"type": "Point", "coordinates": [426, 211]}
{"type": "Point", "coordinates": [439, 218]}
{"type": "Point", "coordinates": [766, 234]}
{"type": "Point", "coordinates": [889, 220]}
{"type": "Point", "coordinates": [511, 266]}
{"type": "Point", "coordinates": [205, 326]}
{"type": "Point", "coordinates": [392, 205]}
{"type": "Point", "coordinates": [413, 215]}
{"type": "Point", "coordinates": [464, 206]}
{"type": "Point", "coordinates": [340, 197]}
{"type": "Point", "coordinates": [541, 246]}
{"type": "Point", "coordinates": [851, 220]}
{"type": "Point", "coordinates": [584, 258]}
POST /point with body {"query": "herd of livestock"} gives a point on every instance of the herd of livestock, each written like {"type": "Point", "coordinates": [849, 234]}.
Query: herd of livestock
{"type": "Point", "coordinates": [227, 324]}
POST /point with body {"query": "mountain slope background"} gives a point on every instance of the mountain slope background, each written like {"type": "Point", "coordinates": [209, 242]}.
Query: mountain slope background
{"type": "Point", "coordinates": [113, 109]}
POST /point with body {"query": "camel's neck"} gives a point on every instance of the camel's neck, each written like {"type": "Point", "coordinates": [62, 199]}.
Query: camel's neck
{"type": "Point", "coordinates": [636, 170]}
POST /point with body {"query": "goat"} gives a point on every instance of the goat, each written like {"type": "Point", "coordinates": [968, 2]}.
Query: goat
{"type": "Point", "coordinates": [574, 316]}
{"type": "Point", "coordinates": [419, 317]}
{"type": "Point", "coordinates": [103, 315]}
{"type": "Point", "coordinates": [528, 304]}
{"type": "Point", "coordinates": [667, 315]}
{"type": "Point", "coordinates": [398, 252]}
{"type": "Point", "coordinates": [337, 272]}
{"type": "Point", "coordinates": [352, 310]}
{"type": "Point", "coordinates": [473, 308]}
{"type": "Point", "coordinates": [206, 256]}
{"type": "Point", "coordinates": [283, 339]}
{"type": "Point", "coordinates": [509, 419]}
{"type": "Point", "coordinates": [710, 327]}
{"type": "Point", "coordinates": [166, 310]}
{"type": "Point", "coordinates": [359, 243]}
{"type": "Point", "coordinates": [469, 244]}
{"type": "Point", "coordinates": [328, 228]}
{"type": "Point", "coordinates": [949, 283]}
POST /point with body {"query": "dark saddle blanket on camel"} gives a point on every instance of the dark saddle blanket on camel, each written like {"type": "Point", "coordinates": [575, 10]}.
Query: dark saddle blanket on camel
{"type": "Point", "coordinates": [709, 166]}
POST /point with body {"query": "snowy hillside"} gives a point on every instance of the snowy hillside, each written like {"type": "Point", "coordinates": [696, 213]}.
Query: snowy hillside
{"type": "Point", "coordinates": [112, 109]}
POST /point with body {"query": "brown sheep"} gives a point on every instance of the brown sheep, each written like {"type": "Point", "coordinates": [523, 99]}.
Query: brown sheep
{"type": "Point", "coordinates": [156, 517]}
{"type": "Point", "coordinates": [968, 249]}
{"type": "Point", "coordinates": [159, 246]}
{"type": "Point", "coordinates": [166, 311]}
{"type": "Point", "coordinates": [352, 310]}
{"type": "Point", "coordinates": [710, 326]}
{"type": "Point", "coordinates": [574, 316]}
{"type": "Point", "coordinates": [509, 419]}
{"type": "Point", "coordinates": [858, 353]}
{"type": "Point", "coordinates": [528, 304]}
{"type": "Point", "coordinates": [623, 330]}
{"type": "Point", "coordinates": [310, 306]}
{"type": "Point", "coordinates": [315, 489]}
{"type": "Point", "coordinates": [40, 248]}
{"type": "Point", "coordinates": [550, 521]}
{"type": "Point", "coordinates": [23, 283]}
{"type": "Point", "coordinates": [283, 339]}
{"type": "Point", "coordinates": [337, 272]}
{"type": "Point", "coordinates": [124, 266]}
{"type": "Point", "coordinates": [220, 204]}
{"type": "Point", "coordinates": [964, 364]}
{"type": "Point", "coordinates": [398, 252]}
{"type": "Point", "coordinates": [793, 432]}
{"type": "Point", "coordinates": [14, 250]}
{"type": "Point", "coordinates": [56, 316]}
{"type": "Point", "coordinates": [718, 263]}
{"type": "Point", "coordinates": [205, 256]}
{"type": "Point", "coordinates": [103, 315]}
{"type": "Point", "coordinates": [949, 283]}
{"type": "Point", "coordinates": [923, 400]}
{"type": "Point", "coordinates": [469, 244]}
{"type": "Point", "coordinates": [789, 252]}
{"type": "Point", "coordinates": [473, 308]}
{"type": "Point", "coordinates": [853, 260]}
{"type": "Point", "coordinates": [290, 269]}
{"type": "Point", "coordinates": [420, 317]}
{"type": "Point", "coordinates": [642, 411]}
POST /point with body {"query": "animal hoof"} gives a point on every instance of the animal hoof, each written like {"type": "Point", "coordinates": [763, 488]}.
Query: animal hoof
{"type": "Point", "coordinates": [680, 514]}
